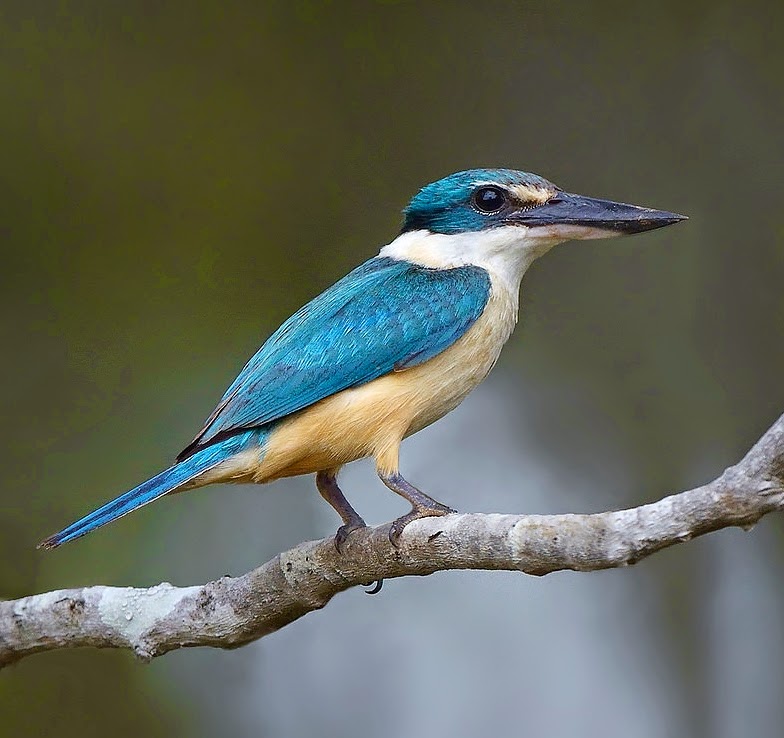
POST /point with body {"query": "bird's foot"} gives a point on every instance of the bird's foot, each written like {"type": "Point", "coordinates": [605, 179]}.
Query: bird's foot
{"type": "Point", "coordinates": [422, 506]}
{"type": "Point", "coordinates": [328, 488]}
{"type": "Point", "coordinates": [422, 511]}
{"type": "Point", "coordinates": [346, 530]}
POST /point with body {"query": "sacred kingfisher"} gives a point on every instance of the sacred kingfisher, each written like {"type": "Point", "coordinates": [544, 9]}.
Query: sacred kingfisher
{"type": "Point", "coordinates": [390, 348]}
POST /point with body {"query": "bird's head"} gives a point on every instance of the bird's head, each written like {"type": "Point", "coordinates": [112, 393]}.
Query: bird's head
{"type": "Point", "coordinates": [486, 212]}
{"type": "Point", "coordinates": [484, 199]}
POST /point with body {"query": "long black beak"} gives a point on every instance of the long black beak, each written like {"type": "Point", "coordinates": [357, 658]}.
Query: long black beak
{"type": "Point", "coordinates": [588, 212]}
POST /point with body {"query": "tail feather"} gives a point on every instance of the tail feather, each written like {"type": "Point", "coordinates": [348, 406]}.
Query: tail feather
{"type": "Point", "coordinates": [167, 481]}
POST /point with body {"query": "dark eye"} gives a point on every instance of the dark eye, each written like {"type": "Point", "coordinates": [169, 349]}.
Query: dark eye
{"type": "Point", "coordinates": [489, 199]}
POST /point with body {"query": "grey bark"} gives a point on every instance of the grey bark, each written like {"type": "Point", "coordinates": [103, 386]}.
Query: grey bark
{"type": "Point", "coordinates": [232, 611]}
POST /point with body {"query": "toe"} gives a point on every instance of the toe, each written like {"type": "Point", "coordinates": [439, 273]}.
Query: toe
{"type": "Point", "coordinates": [344, 532]}
{"type": "Point", "coordinates": [397, 527]}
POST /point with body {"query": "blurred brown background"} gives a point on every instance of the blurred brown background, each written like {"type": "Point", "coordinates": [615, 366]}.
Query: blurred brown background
{"type": "Point", "coordinates": [177, 178]}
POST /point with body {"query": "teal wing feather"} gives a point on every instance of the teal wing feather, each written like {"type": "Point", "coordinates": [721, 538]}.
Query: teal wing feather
{"type": "Point", "coordinates": [384, 316]}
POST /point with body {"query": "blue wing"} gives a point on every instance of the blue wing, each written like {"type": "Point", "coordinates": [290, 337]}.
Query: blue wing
{"type": "Point", "coordinates": [384, 316]}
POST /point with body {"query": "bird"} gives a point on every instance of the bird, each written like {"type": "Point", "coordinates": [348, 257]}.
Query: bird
{"type": "Point", "coordinates": [387, 350]}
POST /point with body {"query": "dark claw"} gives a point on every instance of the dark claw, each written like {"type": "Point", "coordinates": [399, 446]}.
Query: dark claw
{"type": "Point", "coordinates": [396, 529]}
{"type": "Point", "coordinates": [377, 585]}
{"type": "Point", "coordinates": [344, 532]}
{"type": "Point", "coordinates": [431, 511]}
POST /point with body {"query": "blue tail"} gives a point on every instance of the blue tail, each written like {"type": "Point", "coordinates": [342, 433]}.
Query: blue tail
{"type": "Point", "coordinates": [167, 481]}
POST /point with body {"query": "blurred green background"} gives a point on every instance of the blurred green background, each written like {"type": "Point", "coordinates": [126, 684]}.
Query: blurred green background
{"type": "Point", "coordinates": [177, 178]}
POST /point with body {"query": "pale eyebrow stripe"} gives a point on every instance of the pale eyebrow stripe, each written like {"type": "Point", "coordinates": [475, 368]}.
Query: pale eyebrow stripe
{"type": "Point", "coordinates": [528, 193]}
{"type": "Point", "coordinates": [525, 193]}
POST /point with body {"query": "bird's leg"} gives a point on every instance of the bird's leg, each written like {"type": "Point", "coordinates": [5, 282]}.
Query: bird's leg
{"type": "Point", "coordinates": [422, 505]}
{"type": "Point", "coordinates": [327, 484]}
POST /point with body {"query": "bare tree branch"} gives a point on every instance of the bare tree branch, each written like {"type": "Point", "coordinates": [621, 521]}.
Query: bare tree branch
{"type": "Point", "coordinates": [230, 612]}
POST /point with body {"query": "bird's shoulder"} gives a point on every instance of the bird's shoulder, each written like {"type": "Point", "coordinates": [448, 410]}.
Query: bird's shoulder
{"type": "Point", "coordinates": [385, 315]}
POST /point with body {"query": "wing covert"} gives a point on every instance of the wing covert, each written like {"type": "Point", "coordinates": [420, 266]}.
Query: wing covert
{"type": "Point", "coordinates": [383, 316]}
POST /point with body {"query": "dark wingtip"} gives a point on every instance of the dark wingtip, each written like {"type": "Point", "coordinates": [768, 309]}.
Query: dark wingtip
{"type": "Point", "coordinates": [189, 450]}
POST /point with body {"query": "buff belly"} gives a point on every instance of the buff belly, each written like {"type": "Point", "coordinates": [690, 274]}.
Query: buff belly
{"type": "Point", "coordinates": [372, 420]}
